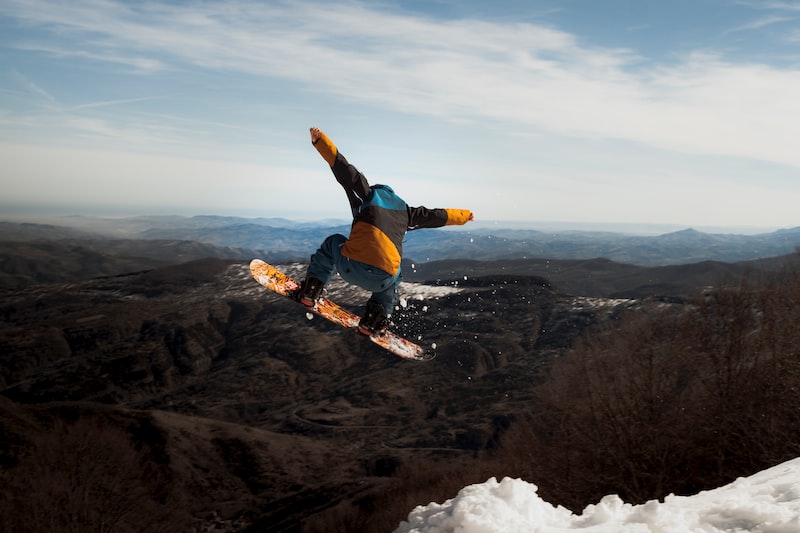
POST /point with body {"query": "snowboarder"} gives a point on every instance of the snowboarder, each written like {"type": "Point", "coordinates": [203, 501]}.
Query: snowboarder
{"type": "Point", "coordinates": [370, 257]}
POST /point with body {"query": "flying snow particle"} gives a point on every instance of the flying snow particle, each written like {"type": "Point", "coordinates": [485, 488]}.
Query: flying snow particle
{"type": "Point", "coordinates": [309, 316]}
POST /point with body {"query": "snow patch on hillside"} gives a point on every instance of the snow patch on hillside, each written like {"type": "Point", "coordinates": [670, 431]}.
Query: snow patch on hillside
{"type": "Point", "coordinates": [766, 502]}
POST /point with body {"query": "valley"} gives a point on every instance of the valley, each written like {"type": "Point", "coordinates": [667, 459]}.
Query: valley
{"type": "Point", "coordinates": [248, 415]}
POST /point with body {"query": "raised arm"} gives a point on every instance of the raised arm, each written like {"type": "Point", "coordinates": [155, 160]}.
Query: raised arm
{"type": "Point", "coordinates": [324, 146]}
{"type": "Point", "coordinates": [353, 182]}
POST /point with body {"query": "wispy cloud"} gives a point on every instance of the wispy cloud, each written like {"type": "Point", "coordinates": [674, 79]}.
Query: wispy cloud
{"type": "Point", "coordinates": [137, 63]}
{"type": "Point", "coordinates": [781, 6]}
{"type": "Point", "coordinates": [110, 103]}
{"type": "Point", "coordinates": [33, 88]}
{"type": "Point", "coordinates": [530, 75]}
{"type": "Point", "coordinates": [759, 23]}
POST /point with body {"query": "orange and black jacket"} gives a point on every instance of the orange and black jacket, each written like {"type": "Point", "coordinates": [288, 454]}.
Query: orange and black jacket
{"type": "Point", "coordinates": [380, 217]}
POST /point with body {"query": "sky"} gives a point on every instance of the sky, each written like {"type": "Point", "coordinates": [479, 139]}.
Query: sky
{"type": "Point", "coordinates": [766, 502]}
{"type": "Point", "coordinates": [587, 112]}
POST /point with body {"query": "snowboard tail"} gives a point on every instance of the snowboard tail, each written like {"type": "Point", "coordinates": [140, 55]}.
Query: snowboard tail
{"type": "Point", "coordinates": [278, 282]}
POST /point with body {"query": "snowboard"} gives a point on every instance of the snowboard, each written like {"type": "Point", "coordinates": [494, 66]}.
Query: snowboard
{"type": "Point", "coordinates": [280, 283]}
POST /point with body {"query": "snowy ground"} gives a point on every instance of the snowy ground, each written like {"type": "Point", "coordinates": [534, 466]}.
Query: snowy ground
{"type": "Point", "coordinates": [767, 502]}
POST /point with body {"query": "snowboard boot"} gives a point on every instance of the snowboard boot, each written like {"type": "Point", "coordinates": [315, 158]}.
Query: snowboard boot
{"type": "Point", "coordinates": [310, 291]}
{"type": "Point", "coordinates": [374, 322]}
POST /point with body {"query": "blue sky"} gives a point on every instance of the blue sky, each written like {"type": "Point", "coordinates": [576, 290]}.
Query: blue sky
{"type": "Point", "coordinates": [582, 111]}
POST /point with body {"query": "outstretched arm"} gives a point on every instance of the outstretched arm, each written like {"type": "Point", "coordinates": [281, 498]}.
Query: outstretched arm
{"type": "Point", "coordinates": [353, 182]}
{"type": "Point", "coordinates": [422, 217]}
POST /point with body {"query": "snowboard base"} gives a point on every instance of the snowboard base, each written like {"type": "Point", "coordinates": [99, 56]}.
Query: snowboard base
{"type": "Point", "coordinates": [278, 282]}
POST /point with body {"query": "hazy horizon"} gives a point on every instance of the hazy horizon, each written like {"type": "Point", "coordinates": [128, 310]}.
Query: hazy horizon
{"type": "Point", "coordinates": [63, 214]}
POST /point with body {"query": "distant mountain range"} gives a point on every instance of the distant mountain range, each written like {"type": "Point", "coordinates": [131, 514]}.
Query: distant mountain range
{"type": "Point", "coordinates": [280, 239]}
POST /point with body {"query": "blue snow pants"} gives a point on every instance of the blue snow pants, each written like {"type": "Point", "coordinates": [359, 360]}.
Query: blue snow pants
{"type": "Point", "coordinates": [328, 259]}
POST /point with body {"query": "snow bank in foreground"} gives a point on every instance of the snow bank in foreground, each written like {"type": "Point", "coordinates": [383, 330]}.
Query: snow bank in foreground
{"type": "Point", "coordinates": [767, 502]}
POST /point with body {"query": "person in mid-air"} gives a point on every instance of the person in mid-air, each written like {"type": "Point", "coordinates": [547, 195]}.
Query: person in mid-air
{"type": "Point", "coordinates": [371, 256]}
